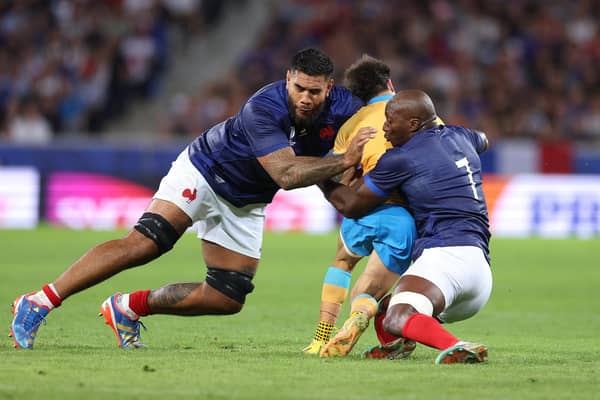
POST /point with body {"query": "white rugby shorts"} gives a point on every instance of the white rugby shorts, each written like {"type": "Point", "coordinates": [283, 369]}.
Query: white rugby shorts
{"type": "Point", "coordinates": [216, 220]}
{"type": "Point", "coordinates": [463, 275]}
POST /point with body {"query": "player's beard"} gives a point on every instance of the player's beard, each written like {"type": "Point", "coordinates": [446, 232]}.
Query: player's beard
{"type": "Point", "coordinates": [307, 122]}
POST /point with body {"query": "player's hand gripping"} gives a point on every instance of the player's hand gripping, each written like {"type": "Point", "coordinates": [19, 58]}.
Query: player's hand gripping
{"type": "Point", "coordinates": [354, 153]}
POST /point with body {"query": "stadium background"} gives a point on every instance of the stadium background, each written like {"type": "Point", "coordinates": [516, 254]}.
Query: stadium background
{"type": "Point", "coordinates": [98, 97]}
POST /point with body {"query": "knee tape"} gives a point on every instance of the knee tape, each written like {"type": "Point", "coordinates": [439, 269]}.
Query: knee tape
{"type": "Point", "coordinates": [159, 230]}
{"type": "Point", "coordinates": [418, 301]}
{"type": "Point", "coordinates": [233, 284]}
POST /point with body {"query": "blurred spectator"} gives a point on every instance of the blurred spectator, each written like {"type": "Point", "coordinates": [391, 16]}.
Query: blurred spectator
{"type": "Point", "coordinates": [28, 125]}
{"type": "Point", "coordinates": [590, 119]}
{"type": "Point", "coordinates": [184, 13]}
{"type": "Point", "coordinates": [141, 57]}
{"type": "Point", "coordinates": [86, 61]}
{"type": "Point", "coordinates": [512, 68]}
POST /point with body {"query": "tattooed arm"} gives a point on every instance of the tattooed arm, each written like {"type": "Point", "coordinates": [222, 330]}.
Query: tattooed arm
{"type": "Point", "coordinates": [291, 171]}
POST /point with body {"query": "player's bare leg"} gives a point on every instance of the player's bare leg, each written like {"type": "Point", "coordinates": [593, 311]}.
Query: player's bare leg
{"type": "Point", "coordinates": [114, 256]}
{"type": "Point", "coordinates": [335, 289]}
{"type": "Point", "coordinates": [391, 347]}
{"type": "Point", "coordinates": [96, 265]}
{"type": "Point", "coordinates": [413, 319]}
{"type": "Point", "coordinates": [375, 281]}
{"type": "Point", "coordinates": [224, 291]}
{"type": "Point", "coordinates": [201, 298]}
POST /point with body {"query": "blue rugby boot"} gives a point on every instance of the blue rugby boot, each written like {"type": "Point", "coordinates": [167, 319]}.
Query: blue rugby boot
{"type": "Point", "coordinates": [28, 315]}
{"type": "Point", "coordinates": [126, 329]}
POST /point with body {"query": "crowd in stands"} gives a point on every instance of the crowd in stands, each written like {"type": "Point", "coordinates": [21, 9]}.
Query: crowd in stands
{"type": "Point", "coordinates": [513, 68]}
{"type": "Point", "coordinates": [72, 65]}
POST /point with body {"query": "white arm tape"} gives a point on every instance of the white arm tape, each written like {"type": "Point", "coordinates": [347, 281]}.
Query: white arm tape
{"type": "Point", "coordinates": [418, 301]}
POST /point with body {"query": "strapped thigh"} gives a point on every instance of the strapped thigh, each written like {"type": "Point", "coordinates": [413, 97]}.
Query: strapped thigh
{"type": "Point", "coordinates": [418, 301]}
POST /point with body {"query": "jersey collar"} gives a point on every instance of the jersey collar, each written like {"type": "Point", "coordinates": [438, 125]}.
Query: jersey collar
{"type": "Point", "coordinates": [383, 97]}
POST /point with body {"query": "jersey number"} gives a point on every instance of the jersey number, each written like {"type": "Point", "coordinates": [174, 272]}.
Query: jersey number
{"type": "Point", "coordinates": [464, 163]}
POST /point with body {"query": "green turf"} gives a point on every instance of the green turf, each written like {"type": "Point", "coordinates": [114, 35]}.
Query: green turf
{"type": "Point", "coordinates": [542, 326]}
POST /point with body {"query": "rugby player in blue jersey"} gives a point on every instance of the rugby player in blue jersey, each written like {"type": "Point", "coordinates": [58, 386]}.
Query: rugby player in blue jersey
{"type": "Point", "coordinates": [438, 168]}
{"type": "Point", "coordinates": [223, 180]}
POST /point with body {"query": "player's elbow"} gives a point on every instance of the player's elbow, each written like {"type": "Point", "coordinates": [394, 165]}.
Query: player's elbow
{"type": "Point", "coordinates": [349, 209]}
{"type": "Point", "coordinates": [352, 213]}
{"type": "Point", "coordinates": [287, 184]}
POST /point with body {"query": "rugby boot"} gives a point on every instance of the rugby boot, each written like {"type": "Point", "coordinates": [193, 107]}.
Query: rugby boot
{"type": "Point", "coordinates": [28, 315]}
{"type": "Point", "coordinates": [398, 349]}
{"type": "Point", "coordinates": [346, 338]}
{"type": "Point", "coordinates": [314, 347]}
{"type": "Point", "coordinates": [463, 353]}
{"type": "Point", "coordinates": [125, 329]}
{"type": "Point", "coordinates": [321, 337]}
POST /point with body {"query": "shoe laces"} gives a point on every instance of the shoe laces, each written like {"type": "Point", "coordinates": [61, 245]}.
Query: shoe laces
{"type": "Point", "coordinates": [142, 325]}
{"type": "Point", "coordinates": [33, 318]}
{"type": "Point", "coordinates": [138, 323]}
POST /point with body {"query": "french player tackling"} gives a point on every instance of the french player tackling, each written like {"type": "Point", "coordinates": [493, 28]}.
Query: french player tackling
{"type": "Point", "coordinates": [223, 180]}
{"type": "Point", "coordinates": [438, 168]}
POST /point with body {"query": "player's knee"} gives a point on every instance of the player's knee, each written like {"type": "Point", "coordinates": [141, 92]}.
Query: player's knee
{"type": "Point", "coordinates": [159, 230]}
{"type": "Point", "coordinates": [230, 307]}
{"type": "Point", "coordinates": [401, 306]}
{"type": "Point", "coordinates": [233, 284]}
{"type": "Point", "coordinates": [394, 320]}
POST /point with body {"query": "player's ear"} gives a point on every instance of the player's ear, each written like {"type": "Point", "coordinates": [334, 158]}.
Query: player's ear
{"type": "Point", "coordinates": [414, 124]}
{"type": "Point", "coordinates": [329, 86]}
{"type": "Point", "coordinates": [288, 76]}
{"type": "Point", "coordinates": [390, 86]}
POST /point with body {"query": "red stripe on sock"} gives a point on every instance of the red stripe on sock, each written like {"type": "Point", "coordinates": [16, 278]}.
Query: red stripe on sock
{"type": "Point", "coordinates": [427, 330]}
{"type": "Point", "coordinates": [138, 302]}
{"type": "Point", "coordinates": [54, 299]}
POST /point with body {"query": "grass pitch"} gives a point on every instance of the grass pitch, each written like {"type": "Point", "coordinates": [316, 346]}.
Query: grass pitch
{"type": "Point", "coordinates": [542, 326]}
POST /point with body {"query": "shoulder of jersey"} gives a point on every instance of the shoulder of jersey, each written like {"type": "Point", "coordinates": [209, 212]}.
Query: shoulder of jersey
{"type": "Point", "coordinates": [271, 95]}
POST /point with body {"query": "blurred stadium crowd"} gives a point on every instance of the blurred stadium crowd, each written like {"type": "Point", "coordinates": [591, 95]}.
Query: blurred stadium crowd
{"type": "Point", "coordinates": [73, 65]}
{"type": "Point", "coordinates": [513, 68]}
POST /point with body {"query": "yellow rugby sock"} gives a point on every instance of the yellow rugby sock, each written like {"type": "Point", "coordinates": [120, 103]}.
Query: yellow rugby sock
{"type": "Point", "coordinates": [335, 285]}
{"type": "Point", "coordinates": [364, 303]}
{"type": "Point", "coordinates": [335, 289]}
{"type": "Point", "coordinates": [323, 332]}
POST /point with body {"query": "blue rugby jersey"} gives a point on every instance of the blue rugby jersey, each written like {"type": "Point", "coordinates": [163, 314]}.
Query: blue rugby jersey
{"type": "Point", "coordinates": [226, 153]}
{"type": "Point", "coordinates": [439, 171]}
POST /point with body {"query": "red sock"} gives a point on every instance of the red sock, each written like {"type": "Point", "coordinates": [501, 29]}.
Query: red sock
{"type": "Point", "coordinates": [52, 295]}
{"type": "Point", "coordinates": [427, 330]}
{"type": "Point", "coordinates": [138, 302]}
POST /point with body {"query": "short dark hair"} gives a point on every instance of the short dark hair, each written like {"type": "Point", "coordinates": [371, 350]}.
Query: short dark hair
{"type": "Point", "coordinates": [312, 62]}
{"type": "Point", "coordinates": [367, 77]}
